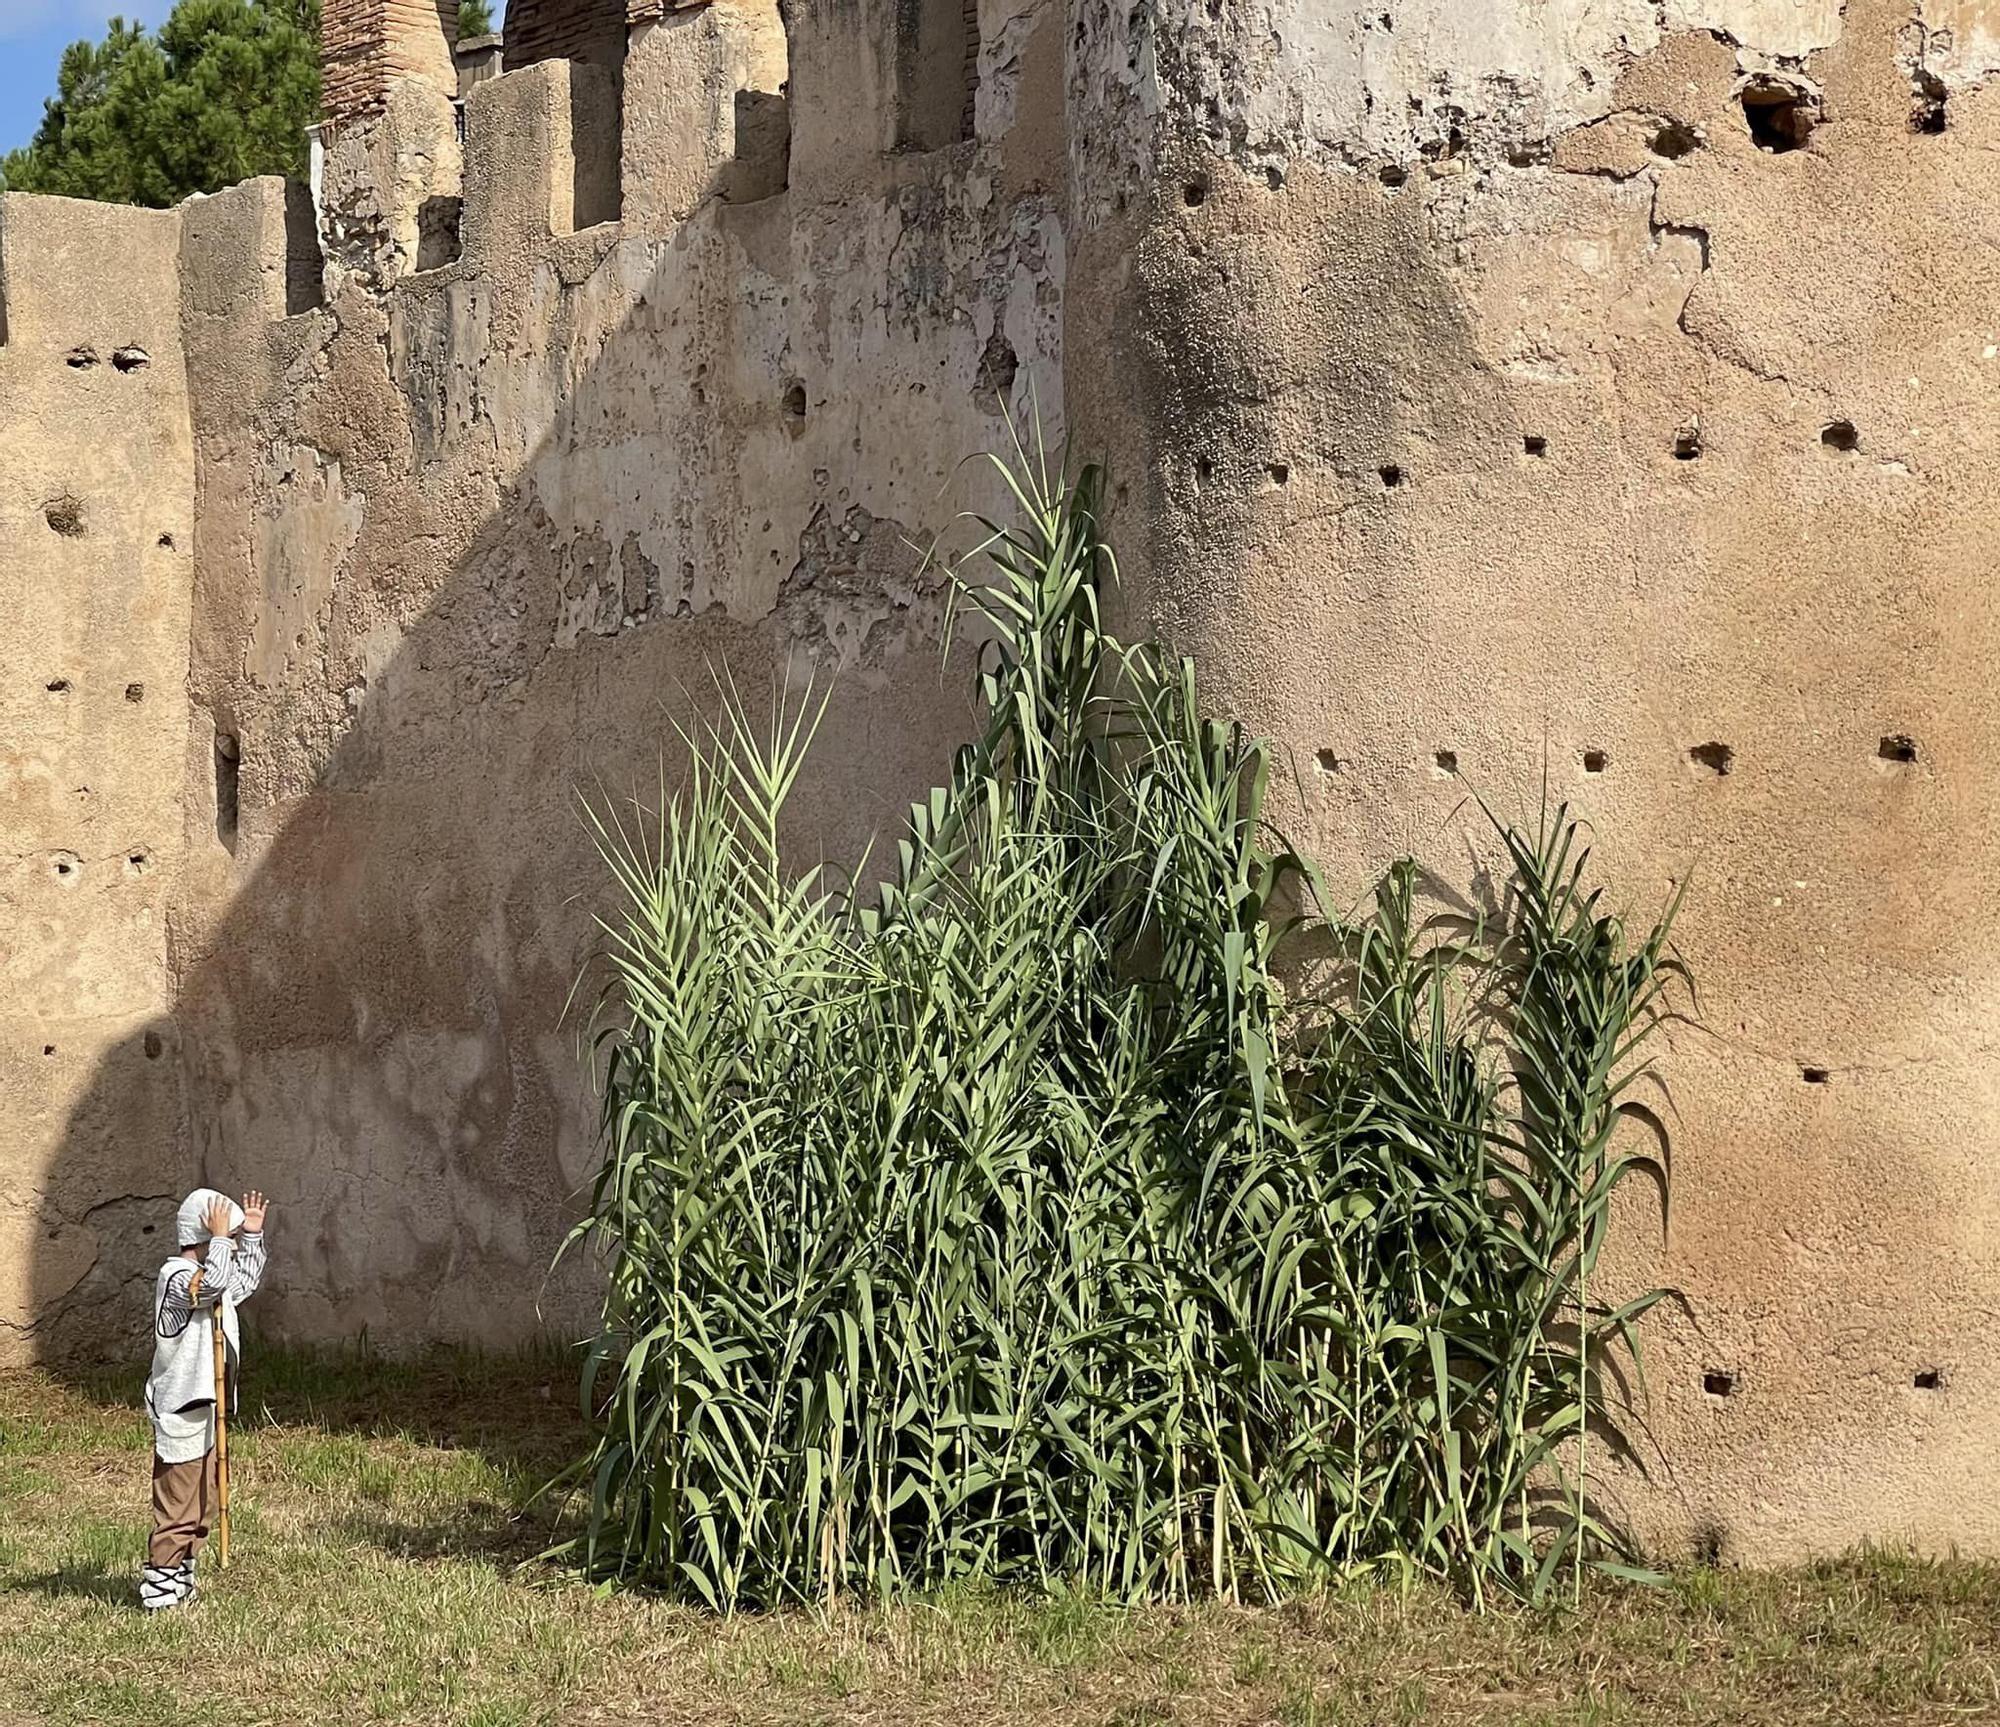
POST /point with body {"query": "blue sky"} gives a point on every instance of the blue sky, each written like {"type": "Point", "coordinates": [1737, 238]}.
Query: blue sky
{"type": "Point", "coordinates": [33, 34]}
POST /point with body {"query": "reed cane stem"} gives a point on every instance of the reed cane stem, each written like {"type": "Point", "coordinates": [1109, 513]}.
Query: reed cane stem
{"type": "Point", "coordinates": [221, 1442]}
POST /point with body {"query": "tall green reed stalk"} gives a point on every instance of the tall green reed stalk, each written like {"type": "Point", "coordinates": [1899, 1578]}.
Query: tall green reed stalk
{"type": "Point", "coordinates": [1013, 1220]}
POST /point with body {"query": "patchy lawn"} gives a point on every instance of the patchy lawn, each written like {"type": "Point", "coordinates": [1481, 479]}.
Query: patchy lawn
{"type": "Point", "coordinates": [384, 1572]}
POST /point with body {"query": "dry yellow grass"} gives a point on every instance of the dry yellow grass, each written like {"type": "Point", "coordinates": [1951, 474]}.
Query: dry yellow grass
{"type": "Point", "coordinates": [381, 1577]}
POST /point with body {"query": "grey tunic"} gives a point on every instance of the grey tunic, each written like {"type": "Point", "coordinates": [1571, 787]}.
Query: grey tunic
{"type": "Point", "coordinates": [180, 1390]}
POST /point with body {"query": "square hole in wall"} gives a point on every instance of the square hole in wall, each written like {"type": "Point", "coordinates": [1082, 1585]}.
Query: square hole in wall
{"type": "Point", "coordinates": [597, 142]}
{"type": "Point", "coordinates": [438, 223]}
{"type": "Point", "coordinates": [937, 72]}
{"type": "Point", "coordinates": [762, 164]}
{"type": "Point", "coordinates": [305, 267]}
{"type": "Point", "coordinates": [1780, 114]}
{"type": "Point", "coordinates": [228, 779]}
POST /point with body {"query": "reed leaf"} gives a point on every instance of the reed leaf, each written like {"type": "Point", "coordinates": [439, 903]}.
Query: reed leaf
{"type": "Point", "coordinates": [1040, 1215]}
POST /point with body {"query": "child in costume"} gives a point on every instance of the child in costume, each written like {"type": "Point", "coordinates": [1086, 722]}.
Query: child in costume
{"type": "Point", "coordinates": [202, 1285]}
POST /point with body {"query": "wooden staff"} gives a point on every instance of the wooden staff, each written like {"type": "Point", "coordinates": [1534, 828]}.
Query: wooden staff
{"type": "Point", "coordinates": [221, 1441]}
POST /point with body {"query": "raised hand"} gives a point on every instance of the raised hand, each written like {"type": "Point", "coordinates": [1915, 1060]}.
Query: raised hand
{"type": "Point", "coordinates": [216, 1219]}
{"type": "Point", "coordinates": [253, 1210]}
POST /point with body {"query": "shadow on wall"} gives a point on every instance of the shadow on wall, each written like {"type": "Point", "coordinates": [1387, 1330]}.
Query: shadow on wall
{"type": "Point", "coordinates": [461, 547]}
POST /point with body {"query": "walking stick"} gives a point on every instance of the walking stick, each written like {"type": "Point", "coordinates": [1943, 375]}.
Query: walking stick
{"type": "Point", "coordinates": [221, 1441]}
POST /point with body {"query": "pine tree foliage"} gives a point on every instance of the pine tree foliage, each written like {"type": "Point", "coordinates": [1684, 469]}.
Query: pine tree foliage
{"type": "Point", "coordinates": [225, 90]}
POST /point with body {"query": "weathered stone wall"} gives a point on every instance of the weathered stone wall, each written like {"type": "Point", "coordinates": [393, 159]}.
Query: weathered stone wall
{"type": "Point", "coordinates": [1608, 391]}
{"type": "Point", "coordinates": [466, 534]}
{"type": "Point", "coordinates": [96, 576]}
{"type": "Point", "coordinates": [1491, 389]}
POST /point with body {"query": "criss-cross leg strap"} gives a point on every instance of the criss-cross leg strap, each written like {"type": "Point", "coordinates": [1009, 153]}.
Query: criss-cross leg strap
{"type": "Point", "coordinates": [164, 1585]}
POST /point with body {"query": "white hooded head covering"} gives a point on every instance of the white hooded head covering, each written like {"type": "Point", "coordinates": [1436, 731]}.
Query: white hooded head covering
{"type": "Point", "coordinates": [191, 1221]}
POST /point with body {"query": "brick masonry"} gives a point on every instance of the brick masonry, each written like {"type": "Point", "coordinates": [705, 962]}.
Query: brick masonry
{"type": "Point", "coordinates": [366, 44]}
{"type": "Point", "coordinates": [589, 30]}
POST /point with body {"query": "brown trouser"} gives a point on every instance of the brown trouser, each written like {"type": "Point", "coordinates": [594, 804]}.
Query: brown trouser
{"type": "Point", "coordinates": [183, 1494]}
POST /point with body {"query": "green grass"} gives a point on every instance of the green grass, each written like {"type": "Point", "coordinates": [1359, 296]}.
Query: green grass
{"type": "Point", "coordinates": [385, 1572]}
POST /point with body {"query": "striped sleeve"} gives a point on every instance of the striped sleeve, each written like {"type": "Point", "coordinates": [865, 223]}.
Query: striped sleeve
{"type": "Point", "coordinates": [193, 1287]}
{"type": "Point", "coordinates": [177, 1303]}
{"type": "Point", "coordinates": [246, 1266]}
{"type": "Point", "coordinates": [186, 1291]}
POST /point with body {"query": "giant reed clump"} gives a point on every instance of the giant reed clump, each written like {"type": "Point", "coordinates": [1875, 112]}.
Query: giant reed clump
{"type": "Point", "coordinates": [1010, 1222]}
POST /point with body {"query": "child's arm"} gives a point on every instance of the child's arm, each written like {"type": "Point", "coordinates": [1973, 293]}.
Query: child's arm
{"type": "Point", "coordinates": [246, 1268]}
{"type": "Point", "coordinates": [194, 1287]}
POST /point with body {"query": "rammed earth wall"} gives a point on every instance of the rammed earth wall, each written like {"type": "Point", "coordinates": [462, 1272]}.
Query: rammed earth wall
{"type": "Point", "coordinates": [1492, 391]}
